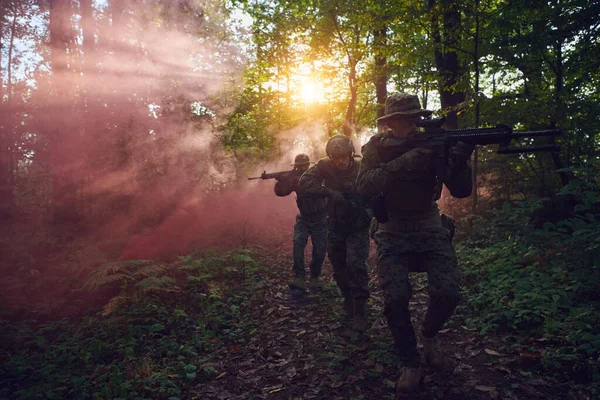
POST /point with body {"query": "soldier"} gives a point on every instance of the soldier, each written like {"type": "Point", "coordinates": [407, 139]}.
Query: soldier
{"type": "Point", "coordinates": [414, 238]}
{"type": "Point", "coordinates": [347, 222]}
{"type": "Point", "coordinates": [310, 222]}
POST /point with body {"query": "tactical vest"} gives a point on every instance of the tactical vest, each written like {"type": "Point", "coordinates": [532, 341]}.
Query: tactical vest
{"type": "Point", "coordinates": [351, 214]}
{"type": "Point", "coordinates": [308, 205]}
{"type": "Point", "coordinates": [410, 193]}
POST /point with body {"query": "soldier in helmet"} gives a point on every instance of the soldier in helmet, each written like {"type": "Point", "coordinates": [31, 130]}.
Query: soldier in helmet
{"type": "Point", "coordinates": [415, 236]}
{"type": "Point", "coordinates": [310, 222]}
{"type": "Point", "coordinates": [348, 223]}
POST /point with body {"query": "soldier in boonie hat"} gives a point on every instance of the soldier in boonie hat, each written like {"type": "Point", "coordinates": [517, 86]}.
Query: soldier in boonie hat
{"type": "Point", "coordinates": [410, 235]}
{"type": "Point", "coordinates": [399, 105]}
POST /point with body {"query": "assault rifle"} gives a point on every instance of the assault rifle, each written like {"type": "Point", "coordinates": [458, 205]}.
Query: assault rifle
{"type": "Point", "coordinates": [440, 140]}
{"type": "Point", "coordinates": [271, 175]}
{"type": "Point", "coordinates": [435, 137]}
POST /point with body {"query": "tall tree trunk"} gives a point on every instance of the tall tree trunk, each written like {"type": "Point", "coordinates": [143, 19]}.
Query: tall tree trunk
{"type": "Point", "coordinates": [380, 42]}
{"type": "Point", "coordinates": [88, 60]}
{"type": "Point", "coordinates": [446, 58]}
{"type": "Point", "coordinates": [7, 128]}
{"type": "Point", "coordinates": [477, 105]}
{"type": "Point", "coordinates": [349, 123]}
{"type": "Point", "coordinates": [446, 40]}
{"type": "Point", "coordinates": [64, 151]}
{"type": "Point", "coordinates": [560, 107]}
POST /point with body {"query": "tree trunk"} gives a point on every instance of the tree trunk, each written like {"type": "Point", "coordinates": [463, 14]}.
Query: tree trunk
{"type": "Point", "coordinates": [477, 106]}
{"type": "Point", "coordinates": [446, 41]}
{"type": "Point", "coordinates": [380, 42]}
{"type": "Point", "coordinates": [64, 151]}
{"type": "Point", "coordinates": [447, 63]}
{"type": "Point", "coordinates": [88, 60]}
{"type": "Point", "coordinates": [349, 123]}
{"type": "Point", "coordinates": [7, 129]}
{"type": "Point", "coordinates": [560, 108]}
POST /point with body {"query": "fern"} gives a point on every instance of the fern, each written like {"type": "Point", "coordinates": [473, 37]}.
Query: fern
{"type": "Point", "coordinates": [114, 303]}
{"type": "Point", "coordinates": [150, 270]}
{"type": "Point", "coordinates": [153, 282]}
{"type": "Point", "coordinates": [118, 271]}
{"type": "Point", "coordinates": [98, 280]}
{"type": "Point", "coordinates": [117, 266]}
{"type": "Point", "coordinates": [193, 266]}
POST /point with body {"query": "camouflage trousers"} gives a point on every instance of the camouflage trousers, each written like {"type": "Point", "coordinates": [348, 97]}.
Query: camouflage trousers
{"type": "Point", "coordinates": [348, 252]}
{"type": "Point", "coordinates": [316, 229]}
{"type": "Point", "coordinates": [428, 250]}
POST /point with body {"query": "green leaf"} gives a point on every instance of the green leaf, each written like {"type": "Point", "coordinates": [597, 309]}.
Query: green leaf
{"type": "Point", "coordinates": [156, 328]}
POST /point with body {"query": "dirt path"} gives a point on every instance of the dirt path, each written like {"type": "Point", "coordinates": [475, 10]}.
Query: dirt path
{"type": "Point", "coordinates": [302, 351]}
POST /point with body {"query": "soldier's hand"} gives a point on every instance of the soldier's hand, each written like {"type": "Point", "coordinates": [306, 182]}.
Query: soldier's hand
{"type": "Point", "coordinates": [418, 159]}
{"type": "Point", "coordinates": [462, 151]}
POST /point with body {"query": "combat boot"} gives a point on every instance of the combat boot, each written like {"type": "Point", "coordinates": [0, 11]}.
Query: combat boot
{"type": "Point", "coordinates": [409, 380]}
{"type": "Point", "coordinates": [433, 355]}
{"type": "Point", "coordinates": [359, 320]}
{"type": "Point", "coordinates": [299, 283]}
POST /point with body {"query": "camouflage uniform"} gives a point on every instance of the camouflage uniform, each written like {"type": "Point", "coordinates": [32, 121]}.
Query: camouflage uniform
{"type": "Point", "coordinates": [347, 221]}
{"type": "Point", "coordinates": [310, 222]}
{"type": "Point", "coordinates": [413, 240]}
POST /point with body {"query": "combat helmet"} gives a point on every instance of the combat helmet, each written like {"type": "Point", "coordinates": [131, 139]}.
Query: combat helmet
{"type": "Point", "coordinates": [300, 160]}
{"type": "Point", "coordinates": [339, 145]}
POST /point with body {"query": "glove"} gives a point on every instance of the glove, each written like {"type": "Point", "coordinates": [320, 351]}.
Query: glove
{"type": "Point", "coordinates": [462, 151]}
{"type": "Point", "coordinates": [337, 197]}
{"type": "Point", "coordinates": [413, 160]}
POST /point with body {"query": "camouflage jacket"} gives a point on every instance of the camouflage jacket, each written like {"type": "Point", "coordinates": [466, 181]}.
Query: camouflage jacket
{"type": "Point", "coordinates": [408, 194]}
{"type": "Point", "coordinates": [324, 178]}
{"type": "Point", "coordinates": [308, 205]}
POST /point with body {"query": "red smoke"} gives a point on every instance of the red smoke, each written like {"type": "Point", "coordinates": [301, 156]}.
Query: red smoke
{"type": "Point", "coordinates": [239, 216]}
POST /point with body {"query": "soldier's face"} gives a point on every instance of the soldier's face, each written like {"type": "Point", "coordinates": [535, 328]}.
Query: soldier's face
{"type": "Point", "coordinates": [404, 126]}
{"type": "Point", "coordinates": [302, 167]}
{"type": "Point", "coordinates": [342, 161]}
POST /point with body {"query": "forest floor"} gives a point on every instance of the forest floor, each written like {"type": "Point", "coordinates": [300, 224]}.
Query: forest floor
{"type": "Point", "coordinates": [248, 336]}
{"type": "Point", "coordinates": [302, 350]}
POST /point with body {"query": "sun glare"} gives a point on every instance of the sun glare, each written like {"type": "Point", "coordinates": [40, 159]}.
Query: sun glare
{"type": "Point", "coordinates": [311, 91]}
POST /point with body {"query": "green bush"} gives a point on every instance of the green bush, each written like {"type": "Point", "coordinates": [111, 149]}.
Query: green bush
{"type": "Point", "coordinates": [540, 283]}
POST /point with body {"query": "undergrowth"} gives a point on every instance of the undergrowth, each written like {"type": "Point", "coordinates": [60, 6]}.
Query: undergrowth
{"type": "Point", "coordinates": [146, 345]}
{"type": "Point", "coordinates": [539, 288]}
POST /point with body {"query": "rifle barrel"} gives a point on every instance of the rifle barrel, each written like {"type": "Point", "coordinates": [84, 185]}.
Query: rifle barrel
{"type": "Point", "coordinates": [546, 132]}
{"type": "Point", "coordinates": [521, 150]}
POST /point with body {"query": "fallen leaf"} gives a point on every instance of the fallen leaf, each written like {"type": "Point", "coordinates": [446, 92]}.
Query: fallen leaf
{"type": "Point", "coordinates": [529, 356]}
{"type": "Point", "coordinates": [501, 368]}
{"type": "Point", "coordinates": [486, 388]}
{"type": "Point", "coordinates": [537, 382]}
{"type": "Point", "coordinates": [494, 353]}
{"type": "Point", "coordinates": [473, 353]}
{"type": "Point", "coordinates": [221, 375]}
{"type": "Point", "coordinates": [233, 348]}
